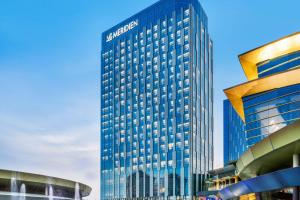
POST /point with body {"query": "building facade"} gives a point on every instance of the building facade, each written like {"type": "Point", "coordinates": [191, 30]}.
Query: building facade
{"type": "Point", "coordinates": [270, 111]}
{"type": "Point", "coordinates": [157, 103]}
{"type": "Point", "coordinates": [234, 134]}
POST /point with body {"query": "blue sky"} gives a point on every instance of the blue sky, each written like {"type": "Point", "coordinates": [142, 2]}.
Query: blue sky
{"type": "Point", "coordinates": [50, 64]}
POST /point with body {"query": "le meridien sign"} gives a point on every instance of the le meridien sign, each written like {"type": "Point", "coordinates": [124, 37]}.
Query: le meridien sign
{"type": "Point", "coordinates": [122, 30]}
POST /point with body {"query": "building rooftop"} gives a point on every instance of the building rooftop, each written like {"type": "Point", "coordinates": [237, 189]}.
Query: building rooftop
{"type": "Point", "coordinates": [277, 48]}
{"type": "Point", "coordinates": [37, 184]}
{"type": "Point", "coordinates": [235, 94]}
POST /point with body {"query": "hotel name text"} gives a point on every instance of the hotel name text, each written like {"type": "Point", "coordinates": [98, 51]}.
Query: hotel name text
{"type": "Point", "coordinates": [122, 30]}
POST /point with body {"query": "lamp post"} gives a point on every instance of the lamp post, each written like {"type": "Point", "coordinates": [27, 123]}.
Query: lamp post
{"type": "Point", "coordinates": [296, 161]}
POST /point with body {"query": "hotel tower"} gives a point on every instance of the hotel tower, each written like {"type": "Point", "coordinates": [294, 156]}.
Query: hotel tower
{"type": "Point", "coordinates": [157, 103]}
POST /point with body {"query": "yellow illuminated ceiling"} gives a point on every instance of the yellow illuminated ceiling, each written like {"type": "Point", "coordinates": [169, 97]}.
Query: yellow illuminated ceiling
{"type": "Point", "coordinates": [236, 93]}
{"type": "Point", "coordinates": [250, 59]}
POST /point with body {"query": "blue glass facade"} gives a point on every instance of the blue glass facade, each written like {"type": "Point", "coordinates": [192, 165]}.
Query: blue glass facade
{"type": "Point", "coordinates": [279, 64]}
{"type": "Point", "coordinates": [267, 112]}
{"type": "Point", "coordinates": [234, 134]}
{"type": "Point", "coordinates": [157, 103]}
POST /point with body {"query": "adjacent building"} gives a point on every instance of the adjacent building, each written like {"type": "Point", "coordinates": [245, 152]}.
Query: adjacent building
{"type": "Point", "coordinates": [269, 101]}
{"type": "Point", "coordinates": [157, 103]}
{"type": "Point", "coordinates": [234, 134]}
{"type": "Point", "coordinates": [269, 105]}
{"type": "Point", "coordinates": [15, 185]}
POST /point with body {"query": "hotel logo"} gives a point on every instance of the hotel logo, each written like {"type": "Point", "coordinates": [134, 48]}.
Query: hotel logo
{"type": "Point", "coordinates": [122, 30]}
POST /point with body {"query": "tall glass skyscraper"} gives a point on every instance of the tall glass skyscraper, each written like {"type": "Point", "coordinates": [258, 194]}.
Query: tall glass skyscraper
{"type": "Point", "coordinates": [157, 103]}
